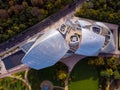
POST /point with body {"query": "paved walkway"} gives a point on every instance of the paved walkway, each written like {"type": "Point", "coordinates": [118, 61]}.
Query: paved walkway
{"type": "Point", "coordinates": [71, 61]}
{"type": "Point", "coordinates": [24, 79]}
{"type": "Point", "coordinates": [2, 67]}
{"type": "Point", "coordinates": [115, 85]}
{"type": "Point", "coordinates": [13, 70]}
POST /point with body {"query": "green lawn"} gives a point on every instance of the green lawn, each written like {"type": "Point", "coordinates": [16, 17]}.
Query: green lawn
{"type": "Point", "coordinates": [83, 77]}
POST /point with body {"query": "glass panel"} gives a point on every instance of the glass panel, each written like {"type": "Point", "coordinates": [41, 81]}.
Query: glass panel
{"type": "Point", "coordinates": [46, 51]}
{"type": "Point", "coordinates": [91, 43]}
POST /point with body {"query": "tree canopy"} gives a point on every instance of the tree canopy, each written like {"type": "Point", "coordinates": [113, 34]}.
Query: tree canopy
{"type": "Point", "coordinates": [18, 15]}
{"type": "Point", "coordinates": [101, 10]}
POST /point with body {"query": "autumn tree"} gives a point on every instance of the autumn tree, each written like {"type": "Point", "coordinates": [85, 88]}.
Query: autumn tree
{"type": "Point", "coordinates": [50, 7]}
{"type": "Point", "coordinates": [107, 73]}
{"type": "Point", "coordinates": [10, 32]}
{"type": "Point", "coordinates": [101, 10]}
{"type": "Point", "coordinates": [58, 3]}
{"type": "Point", "coordinates": [17, 15]}
{"type": "Point", "coordinates": [36, 12]}
{"type": "Point", "coordinates": [16, 28]}
{"type": "Point", "coordinates": [96, 62]}
{"type": "Point", "coordinates": [37, 2]}
{"type": "Point", "coordinates": [116, 74]}
{"type": "Point", "coordinates": [11, 2]}
{"type": "Point", "coordinates": [4, 14]}
{"type": "Point", "coordinates": [22, 26]}
{"type": "Point", "coordinates": [13, 10]}
{"type": "Point", "coordinates": [62, 75]}
{"type": "Point", "coordinates": [24, 4]}
{"type": "Point", "coordinates": [43, 12]}
{"type": "Point", "coordinates": [113, 62]}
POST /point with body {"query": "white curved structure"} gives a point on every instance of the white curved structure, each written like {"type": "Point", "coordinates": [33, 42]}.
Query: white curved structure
{"type": "Point", "coordinates": [93, 38]}
{"type": "Point", "coordinates": [83, 23]}
{"type": "Point", "coordinates": [91, 43]}
{"type": "Point", "coordinates": [46, 51]}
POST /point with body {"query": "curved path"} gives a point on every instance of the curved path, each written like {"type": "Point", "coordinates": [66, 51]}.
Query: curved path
{"type": "Point", "coordinates": [70, 62]}
{"type": "Point", "coordinates": [115, 85]}
{"type": "Point", "coordinates": [25, 79]}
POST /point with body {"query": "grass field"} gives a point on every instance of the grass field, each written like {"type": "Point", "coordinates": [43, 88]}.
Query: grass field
{"type": "Point", "coordinates": [83, 77]}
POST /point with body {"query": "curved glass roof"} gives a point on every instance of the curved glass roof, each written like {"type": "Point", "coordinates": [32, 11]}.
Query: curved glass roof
{"type": "Point", "coordinates": [110, 47]}
{"type": "Point", "coordinates": [102, 25]}
{"type": "Point", "coordinates": [46, 51]}
{"type": "Point", "coordinates": [27, 46]}
{"type": "Point", "coordinates": [91, 43]}
{"type": "Point", "coordinates": [83, 23]}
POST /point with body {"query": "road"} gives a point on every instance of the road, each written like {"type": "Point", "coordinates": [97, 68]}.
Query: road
{"type": "Point", "coordinates": [39, 27]}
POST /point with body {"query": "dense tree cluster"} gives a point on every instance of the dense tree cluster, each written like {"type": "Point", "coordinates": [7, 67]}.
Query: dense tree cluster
{"type": "Point", "coordinates": [17, 15]}
{"type": "Point", "coordinates": [101, 10]}
{"type": "Point", "coordinates": [108, 69]}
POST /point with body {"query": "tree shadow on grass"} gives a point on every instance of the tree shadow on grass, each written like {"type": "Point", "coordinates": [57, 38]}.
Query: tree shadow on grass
{"type": "Point", "coordinates": [83, 77]}
{"type": "Point", "coordinates": [83, 71]}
